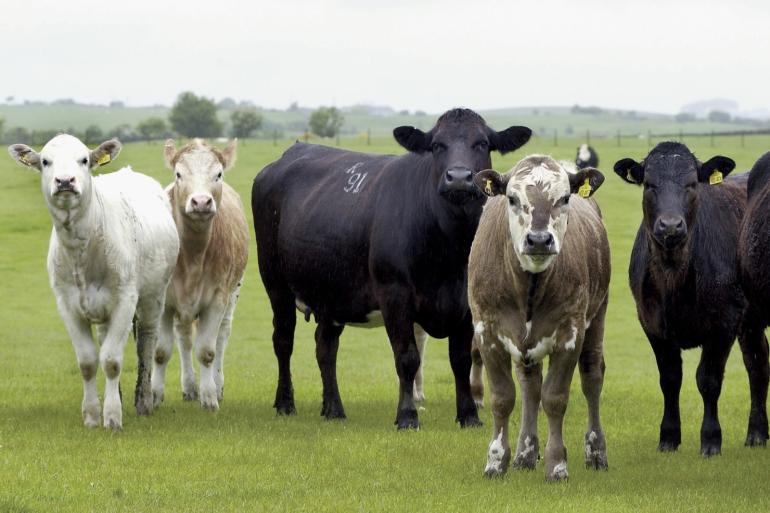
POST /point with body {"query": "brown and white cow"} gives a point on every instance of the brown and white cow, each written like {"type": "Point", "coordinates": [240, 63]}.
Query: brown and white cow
{"type": "Point", "coordinates": [212, 259]}
{"type": "Point", "coordinates": [538, 278]}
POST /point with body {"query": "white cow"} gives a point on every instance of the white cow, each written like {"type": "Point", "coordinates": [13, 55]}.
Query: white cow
{"type": "Point", "coordinates": [112, 252]}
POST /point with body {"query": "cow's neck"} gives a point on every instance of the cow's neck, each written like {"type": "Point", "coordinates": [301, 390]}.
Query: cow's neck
{"type": "Point", "coordinates": [76, 227]}
{"type": "Point", "coordinates": [670, 267]}
{"type": "Point", "coordinates": [194, 238]}
{"type": "Point", "coordinates": [457, 222]}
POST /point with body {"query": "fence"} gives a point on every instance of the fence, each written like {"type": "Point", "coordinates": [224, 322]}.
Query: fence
{"type": "Point", "coordinates": [671, 135]}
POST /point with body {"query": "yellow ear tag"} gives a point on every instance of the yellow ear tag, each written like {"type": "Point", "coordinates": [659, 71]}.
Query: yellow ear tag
{"type": "Point", "coordinates": [103, 159]}
{"type": "Point", "coordinates": [715, 178]}
{"type": "Point", "coordinates": [488, 187]}
{"type": "Point", "coordinates": [24, 160]}
{"type": "Point", "coordinates": [585, 189]}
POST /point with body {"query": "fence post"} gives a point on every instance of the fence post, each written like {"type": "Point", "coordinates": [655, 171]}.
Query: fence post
{"type": "Point", "coordinates": [712, 138]}
{"type": "Point", "coordinates": [555, 138]}
{"type": "Point", "coordinates": [275, 137]}
{"type": "Point", "coordinates": [368, 136]}
{"type": "Point", "coordinates": [618, 138]}
{"type": "Point", "coordinates": [649, 139]}
{"type": "Point", "coordinates": [588, 136]}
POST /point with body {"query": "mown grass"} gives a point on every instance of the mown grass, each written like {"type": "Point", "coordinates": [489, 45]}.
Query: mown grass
{"type": "Point", "coordinates": [244, 458]}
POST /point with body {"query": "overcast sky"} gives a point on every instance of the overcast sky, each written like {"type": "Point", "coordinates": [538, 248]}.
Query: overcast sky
{"type": "Point", "coordinates": [410, 54]}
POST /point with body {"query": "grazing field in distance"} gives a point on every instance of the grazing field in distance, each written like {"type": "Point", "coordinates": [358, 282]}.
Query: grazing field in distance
{"type": "Point", "coordinates": [244, 458]}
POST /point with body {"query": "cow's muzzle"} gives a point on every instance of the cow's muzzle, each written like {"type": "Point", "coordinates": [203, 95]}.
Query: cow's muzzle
{"type": "Point", "coordinates": [539, 243]}
{"type": "Point", "coordinates": [670, 231]}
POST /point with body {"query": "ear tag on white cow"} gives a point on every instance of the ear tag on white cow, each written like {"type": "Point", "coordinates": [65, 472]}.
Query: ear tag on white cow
{"type": "Point", "coordinates": [24, 160]}
{"type": "Point", "coordinates": [103, 159]}
{"type": "Point", "coordinates": [585, 189]}
{"type": "Point", "coordinates": [488, 187]}
{"type": "Point", "coordinates": [715, 177]}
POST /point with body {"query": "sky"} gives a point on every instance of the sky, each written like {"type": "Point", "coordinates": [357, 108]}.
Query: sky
{"type": "Point", "coordinates": [408, 54]}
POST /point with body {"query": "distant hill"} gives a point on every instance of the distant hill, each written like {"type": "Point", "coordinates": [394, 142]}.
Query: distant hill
{"type": "Point", "coordinates": [545, 121]}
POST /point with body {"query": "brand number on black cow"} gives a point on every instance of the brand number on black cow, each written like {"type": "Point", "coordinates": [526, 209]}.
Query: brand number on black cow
{"type": "Point", "coordinates": [355, 179]}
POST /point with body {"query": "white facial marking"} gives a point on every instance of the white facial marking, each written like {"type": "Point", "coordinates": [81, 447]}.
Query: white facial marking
{"type": "Point", "coordinates": [584, 154]}
{"type": "Point", "coordinates": [495, 455]}
{"type": "Point", "coordinates": [509, 346]}
{"type": "Point", "coordinates": [569, 345]}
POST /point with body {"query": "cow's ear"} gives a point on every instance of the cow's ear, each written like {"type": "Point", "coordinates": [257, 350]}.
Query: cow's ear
{"type": "Point", "coordinates": [585, 181]}
{"type": "Point", "coordinates": [105, 153]}
{"type": "Point", "coordinates": [509, 139]}
{"type": "Point", "coordinates": [715, 169]}
{"type": "Point", "coordinates": [490, 182]}
{"type": "Point", "coordinates": [25, 155]}
{"type": "Point", "coordinates": [630, 170]}
{"type": "Point", "coordinates": [229, 154]}
{"type": "Point", "coordinates": [413, 139]}
{"type": "Point", "coordinates": [169, 152]}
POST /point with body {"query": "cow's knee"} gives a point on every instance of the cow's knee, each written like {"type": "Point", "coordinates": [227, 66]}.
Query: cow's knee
{"type": "Point", "coordinates": [88, 370]}
{"type": "Point", "coordinates": [555, 403]}
{"type": "Point", "coordinates": [111, 367]}
{"type": "Point", "coordinates": [206, 356]}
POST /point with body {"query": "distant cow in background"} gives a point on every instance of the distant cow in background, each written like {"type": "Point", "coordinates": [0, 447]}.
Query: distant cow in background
{"type": "Point", "coordinates": [684, 278]}
{"type": "Point", "coordinates": [359, 239]}
{"type": "Point", "coordinates": [111, 255]}
{"type": "Point", "coordinates": [538, 280]}
{"type": "Point", "coordinates": [214, 237]}
{"type": "Point", "coordinates": [586, 157]}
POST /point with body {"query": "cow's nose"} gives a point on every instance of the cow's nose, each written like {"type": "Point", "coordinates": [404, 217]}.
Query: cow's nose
{"type": "Point", "coordinates": [671, 226]}
{"type": "Point", "coordinates": [539, 242]}
{"type": "Point", "coordinates": [460, 176]}
{"type": "Point", "coordinates": [201, 203]}
{"type": "Point", "coordinates": [64, 182]}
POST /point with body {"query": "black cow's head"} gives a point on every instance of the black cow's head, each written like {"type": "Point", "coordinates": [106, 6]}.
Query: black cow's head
{"type": "Point", "coordinates": [671, 176]}
{"type": "Point", "coordinates": [460, 144]}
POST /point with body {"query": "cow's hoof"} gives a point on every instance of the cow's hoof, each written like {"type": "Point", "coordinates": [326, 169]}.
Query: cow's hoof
{"type": "Point", "coordinates": [144, 406]}
{"type": "Point", "coordinates": [491, 473]}
{"type": "Point", "coordinates": [113, 422]}
{"type": "Point", "coordinates": [559, 473]}
{"type": "Point", "coordinates": [708, 450]}
{"type": "Point", "coordinates": [418, 396]}
{"type": "Point", "coordinates": [668, 446]}
{"type": "Point", "coordinates": [285, 408]}
{"type": "Point", "coordinates": [220, 393]}
{"type": "Point", "coordinates": [407, 420]}
{"type": "Point", "coordinates": [190, 393]}
{"type": "Point", "coordinates": [526, 458]}
{"type": "Point", "coordinates": [157, 397]}
{"type": "Point", "coordinates": [92, 416]}
{"type": "Point", "coordinates": [332, 411]}
{"type": "Point", "coordinates": [756, 439]}
{"type": "Point", "coordinates": [209, 402]}
{"type": "Point", "coordinates": [471, 421]}
{"type": "Point", "coordinates": [596, 453]}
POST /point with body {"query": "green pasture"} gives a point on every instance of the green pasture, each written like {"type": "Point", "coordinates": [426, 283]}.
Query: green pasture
{"type": "Point", "coordinates": [245, 458]}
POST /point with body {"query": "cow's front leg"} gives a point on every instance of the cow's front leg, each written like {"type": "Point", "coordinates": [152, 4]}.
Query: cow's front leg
{"type": "Point", "coordinates": [223, 337]}
{"type": "Point", "coordinates": [460, 342]}
{"type": "Point", "coordinates": [709, 377]}
{"type": "Point", "coordinates": [528, 449]}
{"type": "Point", "coordinates": [184, 339]}
{"type": "Point", "coordinates": [79, 331]}
{"type": "Point", "coordinates": [669, 359]}
{"type": "Point", "coordinates": [399, 324]}
{"type": "Point", "coordinates": [205, 349]}
{"type": "Point", "coordinates": [111, 358]}
{"type": "Point", "coordinates": [502, 396]}
{"type": "Point", "coordinates": [163, 351]}
{"type": "Point", "coordinates": [555, 395]}
{"type": "Point", "coordinates": [592, 367]}
{"type": "Point", "coordinates": [755, 359]}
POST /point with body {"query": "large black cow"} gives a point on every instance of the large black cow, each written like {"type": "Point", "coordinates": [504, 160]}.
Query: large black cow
{"type": "Point", "coordinates": [353, 238]}
{"type": "Point", "coordinates": [684, 278]}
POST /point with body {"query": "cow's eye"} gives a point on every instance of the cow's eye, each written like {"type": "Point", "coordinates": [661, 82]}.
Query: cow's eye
{"type": "Point", "coordinates": [178, 175]}
{"type": "Point", "coordinates": [437, 147]}
{"type": "Point", "coordinates": [513, 201]}
{"type": "Point", "coordinates": [219, 176]}
{"type": "Point", "coordinates": [84, 161]}
{"type": "Point", "coordinates": [46, 162]}
{"type": "Point", "coordinates": [481, 145]}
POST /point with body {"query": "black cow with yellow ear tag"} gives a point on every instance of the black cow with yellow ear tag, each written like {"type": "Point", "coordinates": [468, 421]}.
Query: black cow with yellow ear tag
{"type": "Point", "coordinates": [683, 275]}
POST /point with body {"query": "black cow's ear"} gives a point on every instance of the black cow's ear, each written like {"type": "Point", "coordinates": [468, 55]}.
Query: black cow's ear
{"type": "Point", "coordinates": [630, 170]}
{"type": "Point", "coordinates": [715, 169]}
{"type": "Point", "coordinates": [585, 181]}
{"type": "Point", "coordinates": [509, 139]}
{"type": "Point", "coordinates": [490, 182]}
{"type": "Point", "coordinates": [413, 139]}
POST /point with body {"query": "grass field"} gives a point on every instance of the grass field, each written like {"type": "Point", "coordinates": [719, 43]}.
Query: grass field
{"type": "Point", "coordinates": [244, 458]}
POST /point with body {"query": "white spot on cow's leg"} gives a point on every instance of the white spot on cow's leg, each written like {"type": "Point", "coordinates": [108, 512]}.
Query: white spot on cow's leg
{"type": "Point", "coordinates": [509, 346]}
{"type": "Point", "coordinates": [479, 328]}
{"type": "Point", "coordinates": [543, 348]}
{"type": "Point", "coordinates": [592, 436]}
{"type": "Point", "coordinates": [495, 456]}
{"type": "Point", "coordinates": [559, 472]}
{"type": "Point", "coordinates": [570, 344]}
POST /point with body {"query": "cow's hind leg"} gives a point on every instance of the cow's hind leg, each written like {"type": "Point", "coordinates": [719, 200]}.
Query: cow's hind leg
{"type": "Point", "coordinates": [460, 342]}
{"type": "Point", "coordinates": [669, 359]}
{"type": "Point", "coordinates": [421, 339]}
{"type": "Point", "coordinates": [709, 376]}
{"type": "Point", "coordinates": [284, 322]}
{"type": "Point", "coordinates": [591, 364]}
{"type": "Point", "coordinates": [327, 341]}
{"type": "Point", "coordinates": [755, 359]}
{"type": "Point", "coordinates": [184, 337]}
{"type": "Point", "coordinates": [148, 315]}
{"type": "Point", "coordinates": [555, 396]}
{"type": "Point", "coordinates": [477, 376]}
{"type": "Point", "coordinates": [528, 448]}
{"type": "Point", "coordinates": [163, 351]}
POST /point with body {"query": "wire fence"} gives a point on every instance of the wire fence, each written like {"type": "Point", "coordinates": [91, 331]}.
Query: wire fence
{"type": "Point", "coordinates": [680, 135]}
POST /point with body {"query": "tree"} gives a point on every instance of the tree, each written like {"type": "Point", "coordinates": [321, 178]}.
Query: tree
{"type": "Point", "coordinates": [226, 103]}
{"type": "Point", "coordinates": [719, 116]}
{"type": "Point", "coordinates": [245, 122]}
{"type": "Point", "coordinates": [326, 121]}
{"type": "Point", "coordinates": [193, 116]}
{"type": "Point", "coordinates": [93, 135]}
{"type": "Point", "coordinates": [17, 134]}
{"type": "Point", "coordinates": [684, 117]}
{"type": "Point", "coordinates": [152, 129]}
